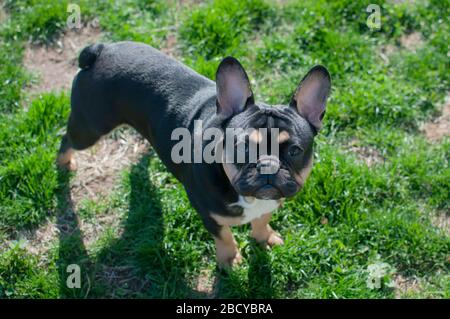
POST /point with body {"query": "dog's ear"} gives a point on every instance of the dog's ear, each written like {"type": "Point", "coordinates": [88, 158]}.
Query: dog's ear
{"type": "Point", "coordinates": [233, 87]}
{"type": "Point", "coordinates": [311, 95]}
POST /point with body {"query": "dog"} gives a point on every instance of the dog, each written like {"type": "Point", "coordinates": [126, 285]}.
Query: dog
{"type": "Point", "coordinates": [132, 83]}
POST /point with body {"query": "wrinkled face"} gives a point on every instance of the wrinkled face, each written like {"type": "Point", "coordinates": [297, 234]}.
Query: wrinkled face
{"type": "Point", "coordinates": [282, 134]}
{"type": "Point", "coordinates": [283, 156]}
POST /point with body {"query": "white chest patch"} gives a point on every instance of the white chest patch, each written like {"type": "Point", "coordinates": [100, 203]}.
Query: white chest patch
{"type": "Point", "coordinates": [255, 208]}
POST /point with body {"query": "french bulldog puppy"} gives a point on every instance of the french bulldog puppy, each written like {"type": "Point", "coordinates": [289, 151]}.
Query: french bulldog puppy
{"type": "Point", "coordinates": [135, 84]}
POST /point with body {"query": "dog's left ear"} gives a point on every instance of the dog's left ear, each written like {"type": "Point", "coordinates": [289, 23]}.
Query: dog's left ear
{"type": "Point", "coordinates": [233, 87]}
{"type": "Point", "coordinates": [311, 95]}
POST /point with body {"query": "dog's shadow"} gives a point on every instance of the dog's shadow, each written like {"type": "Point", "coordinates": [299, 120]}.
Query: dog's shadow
{"type": "Point", "coordinates": [131, 265]}
{"type": "Point", "coordinates": [135, 264]}
{"type": "Point", "coordinates": [73, 282]}
{"type": "Point", "coordinates": [258, 284]}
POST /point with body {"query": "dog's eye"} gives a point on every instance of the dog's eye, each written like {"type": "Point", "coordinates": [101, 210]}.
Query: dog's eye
{"type": "Point", "coordinates": [294, 150]}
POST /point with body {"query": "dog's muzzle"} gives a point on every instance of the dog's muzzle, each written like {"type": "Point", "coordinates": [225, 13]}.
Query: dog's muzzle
{"type": "Point", "coordinates": [268, 164]}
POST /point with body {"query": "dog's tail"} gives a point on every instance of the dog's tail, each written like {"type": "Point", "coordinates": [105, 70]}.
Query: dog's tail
{"type": "Point", "coordinates": [89, 55]}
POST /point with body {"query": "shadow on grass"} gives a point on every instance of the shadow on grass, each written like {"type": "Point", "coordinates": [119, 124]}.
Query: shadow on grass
{"type": "Point", "coordinates": [138, 264]}
{"type": "Point", "coordinates": [259, 273]}
{"type": "Point", "coordinates": [228, 284]}
{"type": "Point", "coordinates": [71, 249]}
{"type": "Point", "coordinates": [135, 265]}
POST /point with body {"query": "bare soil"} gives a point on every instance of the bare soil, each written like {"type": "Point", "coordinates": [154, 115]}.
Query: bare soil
{"type": "Point", "coordinates": [366, 154]}
{"type": "Point", "coordinates": [439, 127]}
{"type": "Point", "coordinates": [55, 65]}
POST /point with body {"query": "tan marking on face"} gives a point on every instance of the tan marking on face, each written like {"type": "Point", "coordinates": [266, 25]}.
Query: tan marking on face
{"type": "Point", "coordinates": [255, 136]}
{"type": "Point", "coordinates": [263, 233]}
{"type": "Point", "coordinates": [226, 248]}
{"type": "Point", "coordinates": [304, 173]}
{"type": "Point", "coordinates": [283, 137]}
{"type": "Point", "coordinates": [227, 221]}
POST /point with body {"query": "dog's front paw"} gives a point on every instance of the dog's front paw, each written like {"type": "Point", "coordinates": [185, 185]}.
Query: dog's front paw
{"type": "Point", "coordinates": [268, 238]}
{"type": "Point", "coordinates": [275, 239]}
{"type": "Point", "coordinates": [227, 261]}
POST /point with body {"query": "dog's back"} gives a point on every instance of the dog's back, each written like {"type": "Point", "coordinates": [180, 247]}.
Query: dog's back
{"type": "Point", "coordinates": [133, 83]}
{"type": "Point", "coordinates": [128, 82]}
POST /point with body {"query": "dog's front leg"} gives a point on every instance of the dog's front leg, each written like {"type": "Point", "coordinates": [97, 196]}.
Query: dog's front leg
{"type": "Point", "coordinates": [226, 248]}
{"type": "Point", "coordinates": [263, 233]}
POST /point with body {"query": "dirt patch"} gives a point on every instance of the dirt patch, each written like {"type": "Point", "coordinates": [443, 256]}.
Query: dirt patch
{"type": "Point", "coordinates": [97, 176]}
{"type": "Point", "coordinates": [93, 229]}
{"type": "Point", "coordinates": [189, 2]}
{"type": "Point", "coordinates": [170, 46]}
{"type": "Point", "coordinates": [3, 15]}
{"type": "Point", "coordinates": [405, 285]}
{"type": "Point", "coordinates": [410, 2]}
{"type": "Point", "coordinates": [368, 155]}
{"type": "Point", "coordinates": [205, 283]}
{"type": "Point", "coordinates": [38, 242]}
{"type": "Point", "coordinates": [386, 51]}
{"type": "Point", "coordinates": [442, 221]}
{"type": "Point", "coordinates": [99, 167]}
{"type": "Point", "coordinates": [412, 41]}
{"type": "Point", "coordinates": [121, 279]}
{"type": "Point", "coordinates": [439, 127]}
{"type": "Point", "coordinates": [56, 64]}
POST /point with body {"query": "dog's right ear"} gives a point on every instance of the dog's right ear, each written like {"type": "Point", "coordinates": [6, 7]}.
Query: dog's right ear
{"type": "Point", "coordinates": [311, 95]}
{"type": "Point", "coordinates": [233, 87]}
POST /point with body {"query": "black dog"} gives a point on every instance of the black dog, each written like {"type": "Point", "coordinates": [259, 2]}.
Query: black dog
{"type": "Point", "coordinates": [132, 83]}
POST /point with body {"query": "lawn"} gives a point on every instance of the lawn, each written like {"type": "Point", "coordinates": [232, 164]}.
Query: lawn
{"type": "Point", "coordinates": [372, 221]}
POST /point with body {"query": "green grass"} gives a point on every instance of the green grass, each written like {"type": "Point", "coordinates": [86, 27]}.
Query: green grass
{"type": "Point", "coordinates": [348, 217]}
{"type": "Point", "coordinates": [27, 144]}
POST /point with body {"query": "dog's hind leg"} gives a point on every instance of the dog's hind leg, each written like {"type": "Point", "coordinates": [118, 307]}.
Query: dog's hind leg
{"type": "Point", "coordinates": [79, 136]}
{"type": "Point", "coordinates": [65, 155]}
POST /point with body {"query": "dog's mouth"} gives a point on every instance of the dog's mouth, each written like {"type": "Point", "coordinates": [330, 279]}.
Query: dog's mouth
{"type": "Point", "coordinates": [268, 192]}
{"type": "Point", "coordinates": [248, 182]}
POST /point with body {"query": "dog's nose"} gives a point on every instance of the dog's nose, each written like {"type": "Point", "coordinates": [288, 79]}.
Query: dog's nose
{"type": "Point", "coordinates": [268, 164]}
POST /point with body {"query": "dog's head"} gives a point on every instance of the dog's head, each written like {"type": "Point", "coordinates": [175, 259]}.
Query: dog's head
{"type": "Point", "coordinates": [282, 134]}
